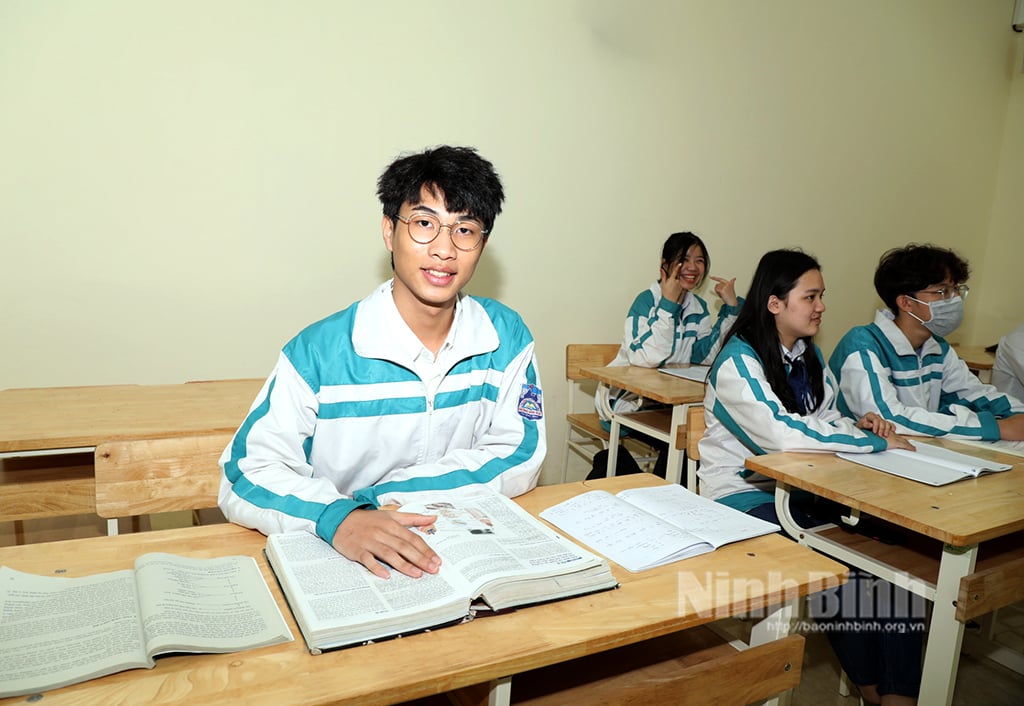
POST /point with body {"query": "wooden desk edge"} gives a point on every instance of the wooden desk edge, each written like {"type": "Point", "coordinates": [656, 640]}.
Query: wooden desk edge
{"type": "Point", "coordinates": [952, 538]}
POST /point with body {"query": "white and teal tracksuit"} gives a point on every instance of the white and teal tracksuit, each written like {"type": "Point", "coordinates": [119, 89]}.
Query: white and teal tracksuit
{"type": "Point", "coordinates": [357, 413]}
{"type": "Point", "coordinates": [930, 392]}
{"type": "Point", "coordinates": [659, 332]}
{"type": "Point", "coordinates": [745, 418]}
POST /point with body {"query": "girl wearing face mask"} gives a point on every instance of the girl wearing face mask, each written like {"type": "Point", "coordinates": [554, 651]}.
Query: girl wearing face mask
{"type": "Point", "coordinates": [901, 366]}
{"type": "Point", "coordinates": [669, 323]}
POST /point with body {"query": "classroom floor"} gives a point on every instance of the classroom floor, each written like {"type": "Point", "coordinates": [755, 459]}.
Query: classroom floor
{"type": "Point", "coordinates": [980, 681]}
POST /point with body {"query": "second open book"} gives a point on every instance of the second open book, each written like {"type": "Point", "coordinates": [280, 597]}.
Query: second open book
{"type": "Point", "coordinates": [928, 464]}
{"type": "Point", "coordinates": [641, 528]}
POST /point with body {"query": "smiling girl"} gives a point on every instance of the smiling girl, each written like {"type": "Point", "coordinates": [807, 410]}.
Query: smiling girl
{"type": "Point", "coordinates": [668, 323]}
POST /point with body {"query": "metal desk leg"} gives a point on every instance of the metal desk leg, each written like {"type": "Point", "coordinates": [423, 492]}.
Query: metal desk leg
{"type": "Point", "coordinates": [613, 446]}
{"type": "Point", "coordinates": [946, 633]}
{"type": "Point", "coordinates": [782, 511]}
{"type": "Point", "coordinates": [674, 464]}
{"type": "Point", "coordinates": [500, 693]}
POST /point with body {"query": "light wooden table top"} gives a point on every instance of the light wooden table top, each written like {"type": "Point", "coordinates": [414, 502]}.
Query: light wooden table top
{"type": "Point", "coordinates": [961, 514]}
{"type": "Point", "coordinates": [770, 570]}
{"type": "Point", "coordinates": [976, 357]}
{"type": "Point", "coordinates": [649, 383]}
{"type": "Point", "coordinates": [76, 417]}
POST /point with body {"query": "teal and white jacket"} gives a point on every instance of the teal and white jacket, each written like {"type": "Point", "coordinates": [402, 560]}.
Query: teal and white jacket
{"type": "Point", "coordinates": [745, 418]}
{"type": "Point", "coordinates": [344, 421]}
{"type": "Point", "coordinates": [930, 392]}
{"type": "Point", "coordinates": [659, 332]}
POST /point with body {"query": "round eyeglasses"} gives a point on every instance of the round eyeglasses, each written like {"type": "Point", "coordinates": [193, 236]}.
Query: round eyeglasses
{"type": "Point", "coordinates": [947, 292]}
{"type": "Point", "coordinates": [425, 227]}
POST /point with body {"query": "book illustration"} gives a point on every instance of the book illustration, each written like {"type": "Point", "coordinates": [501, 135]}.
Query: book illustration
{"type": "Point", "coordinates": [929, 464]}
{"type": "Point", "coordinates": [641, 528]}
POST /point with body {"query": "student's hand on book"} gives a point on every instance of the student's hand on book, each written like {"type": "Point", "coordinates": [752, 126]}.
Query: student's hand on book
{"type": "Point", "coordinates": [876, 424]}
{"type": "Point", "coordinates": [1011, 428]}
{"type": "Point", "coordinates": [375, 536]}
{"type": "Point", "coordinates": [726, 289]}
{"type": "Point", "coordinates": [895, 441]}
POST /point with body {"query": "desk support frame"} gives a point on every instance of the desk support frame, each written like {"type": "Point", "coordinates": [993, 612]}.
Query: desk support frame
{"type": "Point", "coordinates": [945, 634]}
{"type": "Point", "coordinates": [499, 692]}
{"type": "Point", "coordinates": [676, 457]}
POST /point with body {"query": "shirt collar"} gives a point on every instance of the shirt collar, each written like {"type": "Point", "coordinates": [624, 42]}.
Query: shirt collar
{"type": "Point", "coordinates": [798, 350]}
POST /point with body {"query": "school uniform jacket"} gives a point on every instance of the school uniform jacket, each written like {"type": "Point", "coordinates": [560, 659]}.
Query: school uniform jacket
{"type": "Point", "coordinates": [930, 393]}
{"type": "Point", "coordinates": [660, 332]}
{"type": "Point", "coordinates": [343, 421]}
{"type": "Point", "coordinates": [745, 418]}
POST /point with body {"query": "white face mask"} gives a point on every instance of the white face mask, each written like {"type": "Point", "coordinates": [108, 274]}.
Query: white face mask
{"type": "Point", "coordinates": [946, 315]}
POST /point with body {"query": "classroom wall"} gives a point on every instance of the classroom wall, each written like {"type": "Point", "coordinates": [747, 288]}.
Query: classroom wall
{"type": "Point", "coordinates": [998, 303]}
{"type": "Point", "coordinates": [184, 185]}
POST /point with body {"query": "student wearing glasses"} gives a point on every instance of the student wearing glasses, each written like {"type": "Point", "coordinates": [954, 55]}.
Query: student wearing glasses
{"type": "Point", "coordinates": [901, 366]}
{"type": "Point", "coordinates": [418, 387]}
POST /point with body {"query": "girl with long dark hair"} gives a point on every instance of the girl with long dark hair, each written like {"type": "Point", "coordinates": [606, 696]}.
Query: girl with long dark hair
{"type": "Point", "coordinates": [770, 391]}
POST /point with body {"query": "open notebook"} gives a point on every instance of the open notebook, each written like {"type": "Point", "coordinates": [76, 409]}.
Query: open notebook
{"type": "Point", "coordinates": [929, 464]}
{"type": "Point", "coordinates": [697, 373]}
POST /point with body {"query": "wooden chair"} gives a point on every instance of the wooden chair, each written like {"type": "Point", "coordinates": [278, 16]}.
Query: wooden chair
{"type": "Point", "coordinates": [695, 427]}
{"type": "Point", "coordinates": [145, 476]}
{"type": "Point", "coordinates": [584, 436]}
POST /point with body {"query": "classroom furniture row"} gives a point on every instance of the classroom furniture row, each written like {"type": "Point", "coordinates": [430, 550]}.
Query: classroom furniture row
{"type": "Point", "coordinates": [647, 641]}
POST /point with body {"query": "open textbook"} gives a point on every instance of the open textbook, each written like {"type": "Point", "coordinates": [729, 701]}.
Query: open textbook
{"type": "Point", "coordinates": [929, 464]}
{"type": "Point", "coordinates": [494, 556]}
{"type": "Point", "coordinates": [697, 373]}
{"type": "Point", "coordinates": [641, 528]}
{"type": "Point", "coordinates": [1015, 448]}
{"type": "Point", "coordinates": [57, 631]}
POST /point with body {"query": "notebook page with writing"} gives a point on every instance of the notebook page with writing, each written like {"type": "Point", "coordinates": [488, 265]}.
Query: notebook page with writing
{"type": "Point", "coordinates": [632, 538]}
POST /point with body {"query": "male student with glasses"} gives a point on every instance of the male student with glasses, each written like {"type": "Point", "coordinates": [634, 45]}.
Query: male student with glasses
{"type": "Point", "coordinates": [418, 387]}
{"type": "Point", "coordinates": [901, 366]}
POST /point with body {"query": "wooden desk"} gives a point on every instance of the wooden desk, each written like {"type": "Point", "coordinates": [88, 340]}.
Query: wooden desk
{"type": "Point", "coordinates": [978, 359]}
{"type": "Point", "coordinates": [48, 435]}
{"type": "Point", "coordinates": [951, 523]}
{"type": "Point", "coordinates": [665, 425]}
{"type": "Point", "coordinates": [63, 419]}
{"type": "Point", "coordinates": [762, 573]}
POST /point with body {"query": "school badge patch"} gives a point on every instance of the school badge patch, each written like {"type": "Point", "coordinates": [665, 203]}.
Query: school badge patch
{"type": "Point", "coordinates": [530, 404]}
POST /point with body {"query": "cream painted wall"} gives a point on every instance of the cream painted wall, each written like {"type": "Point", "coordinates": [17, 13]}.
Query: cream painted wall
{"type": "Point", "coordinates": [998, 292]}
{"type": "Point", "coordinates": [184, 185]}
